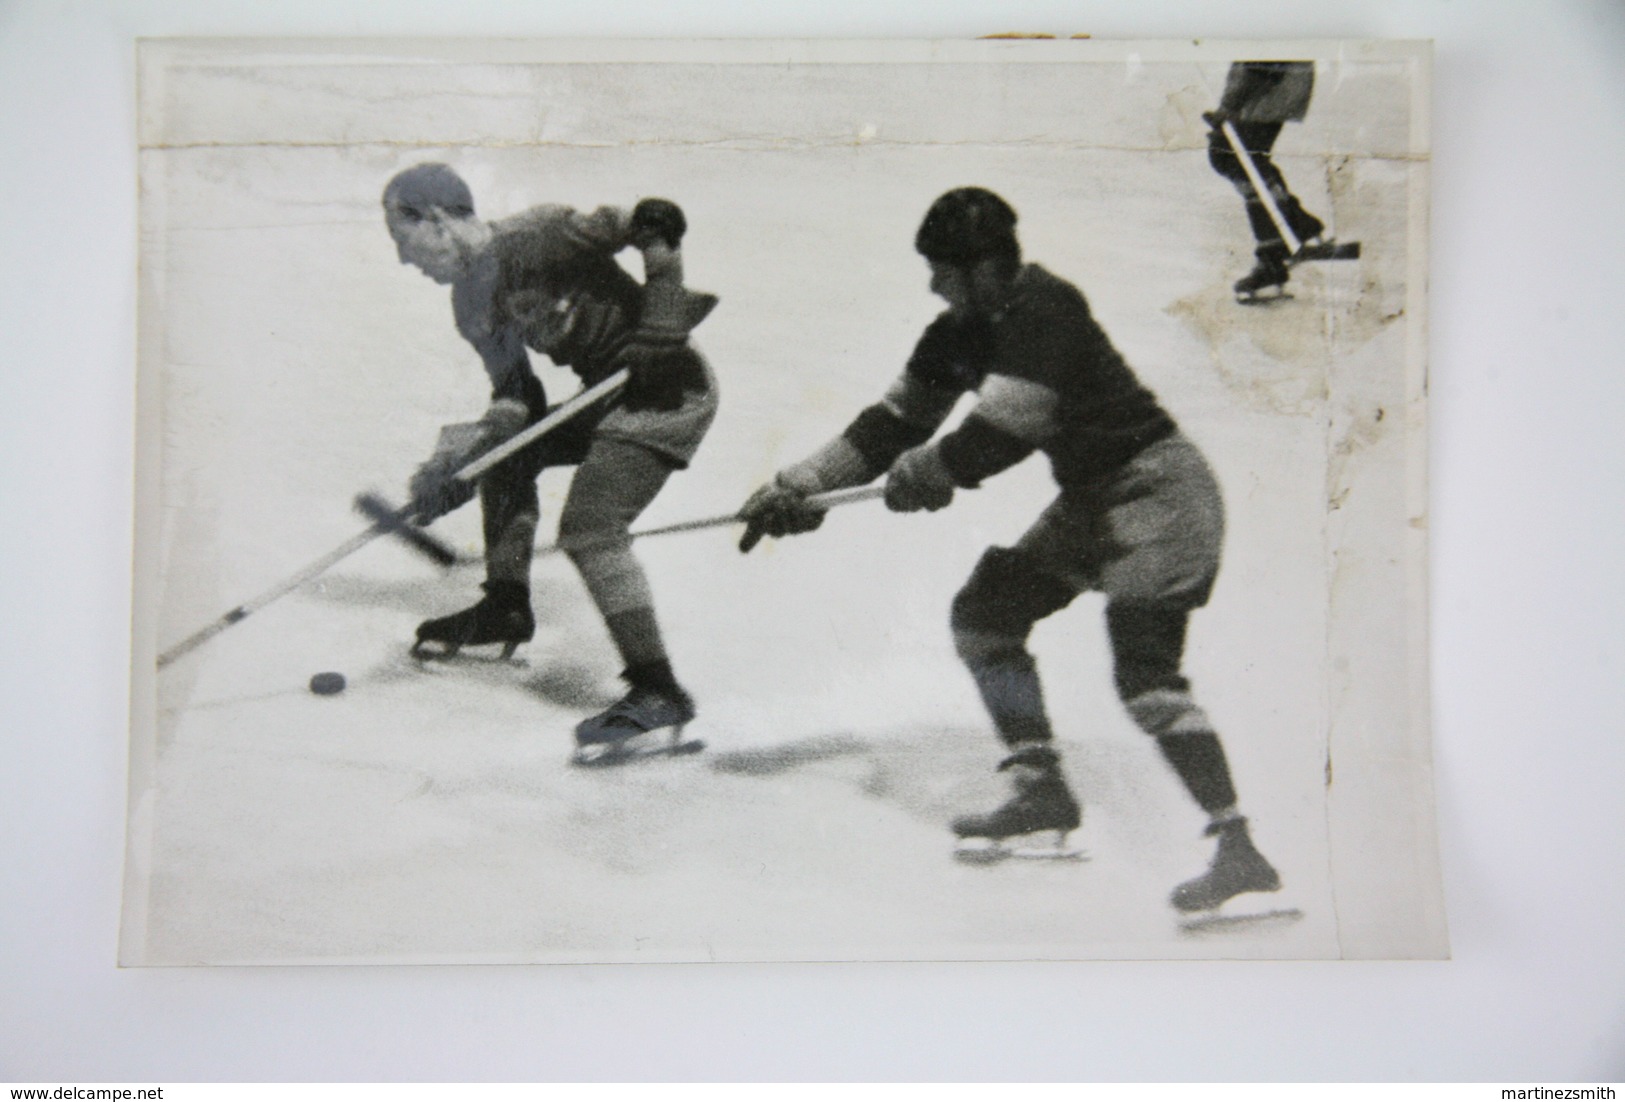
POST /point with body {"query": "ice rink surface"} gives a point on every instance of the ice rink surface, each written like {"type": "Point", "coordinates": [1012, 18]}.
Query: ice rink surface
{"type": "Point", "coordinates": [428, 814]}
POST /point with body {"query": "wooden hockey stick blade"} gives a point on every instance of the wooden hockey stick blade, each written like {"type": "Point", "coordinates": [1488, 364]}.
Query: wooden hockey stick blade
{"type": "Point", "coordinates": [1328, 250]}
{"type": "Point", "coordinates": [394, 521]}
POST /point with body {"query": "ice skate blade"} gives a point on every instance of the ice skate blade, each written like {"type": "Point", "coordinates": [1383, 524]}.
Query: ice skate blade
{"type": "Point", "coordinates": [1264, 300]}
{"type": "Point", "coordinates": [424, 651]}
{"type": "Point", "coordinates": [663, 743]}
{"type": "Point", "coordinates": [1212, 922]}
{"type": "Point", "coordinates": [992, 851]}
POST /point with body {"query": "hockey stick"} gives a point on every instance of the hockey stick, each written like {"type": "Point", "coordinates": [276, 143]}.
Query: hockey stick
{"type": "Point", "coordinates": [1328, 250]}
{"type": "Point", "coordinates": [1263, 192]}
{"type": "Point", "coordinates": [390, 523]}
{"type": "Point", "coordinates": [820, 501]}
{"type": "Point", "coordinates": [566, 410]}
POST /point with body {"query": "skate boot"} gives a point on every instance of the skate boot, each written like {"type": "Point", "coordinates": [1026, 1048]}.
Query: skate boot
{"type": "Point", "coordinates": [502, 616]}
{"type": "Point", "coordinates": [1041, 802]}
{"type": "Point", "coordinates": [632, 728]}
{"type": "Point", "coordinates": [1267, 280]}
{"type": "Point", "coordinates": [1237, 867]}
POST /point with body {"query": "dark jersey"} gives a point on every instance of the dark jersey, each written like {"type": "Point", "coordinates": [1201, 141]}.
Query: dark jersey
{"type": "Point", "coordinates": [1048, 379]}
{"type": "Point", "coordinates": [550, 281]}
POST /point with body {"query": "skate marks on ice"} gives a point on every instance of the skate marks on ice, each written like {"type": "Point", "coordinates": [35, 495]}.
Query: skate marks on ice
{"type": "Point", "coordinates": [770, 761]}
{"type": "Point", "coordinates": [928, 774]}
{"type": "Point", "coordinates": [571, 684]}
{"type": "Point", "coordinates": [915, 773]}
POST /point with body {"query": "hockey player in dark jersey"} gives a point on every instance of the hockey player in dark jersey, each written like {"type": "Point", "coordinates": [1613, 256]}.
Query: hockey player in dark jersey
{"type": "Point", "coordinates": [1259, 98]}
{"type": "Point", "coordinates": [1138, 517]}
{"type": "Point", "coordinates": [547, 280]}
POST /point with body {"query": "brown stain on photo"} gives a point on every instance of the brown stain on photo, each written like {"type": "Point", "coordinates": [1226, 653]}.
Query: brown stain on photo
{"type": "Point", "coordinates": [1334, 308]}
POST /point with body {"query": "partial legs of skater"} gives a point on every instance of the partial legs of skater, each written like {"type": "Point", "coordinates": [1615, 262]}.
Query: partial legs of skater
{"type": "Point", "coordinates": [993, 615]}
{"type": "Point", "coordinates": [1272, 256]}
{"type": "Point", "coordinates": [614, 484]}
{"type": "Point", "coordinates": [1148, 642]}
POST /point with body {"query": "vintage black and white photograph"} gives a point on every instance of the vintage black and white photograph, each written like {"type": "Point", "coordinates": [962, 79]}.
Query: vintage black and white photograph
{"type": "Point", "coordinates": [781, 501]}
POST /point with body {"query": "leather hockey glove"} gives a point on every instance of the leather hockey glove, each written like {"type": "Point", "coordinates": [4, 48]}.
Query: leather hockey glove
{"type": "Point", "coordinates": [434, 489]}
{"type": "Point", "coordinates": [657, 220]}
{"type": "Point", "coordinates": [777, 510]}
{"type": "Point", "coordinates": [660, 366]}
{"type": "Point", "coordinates": [919, 479]}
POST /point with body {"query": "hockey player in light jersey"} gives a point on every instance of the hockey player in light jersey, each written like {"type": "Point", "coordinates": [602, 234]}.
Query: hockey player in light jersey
{"type": "Point", "coordinates": [1138, 517]}
{"type": "Point", "coordinates": [547, 279]}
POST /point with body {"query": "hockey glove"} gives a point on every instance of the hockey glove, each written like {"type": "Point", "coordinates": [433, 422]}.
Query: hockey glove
{"type": "Point", "coordinates": [919, 480]}
{"type": "Point", "coordinates": [657, 220]}
{"type": "Point", "coordinates": [434, 489]}
{"type": "Point", "coordinates": [777, 510]}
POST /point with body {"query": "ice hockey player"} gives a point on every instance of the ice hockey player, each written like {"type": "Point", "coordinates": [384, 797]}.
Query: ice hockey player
{"type": "Point", "coordinates": [1259, 98]}
{"type": "Point", "coordinates": [547, 279]}
{"type": "Point", "coordinates": [1138, 517]}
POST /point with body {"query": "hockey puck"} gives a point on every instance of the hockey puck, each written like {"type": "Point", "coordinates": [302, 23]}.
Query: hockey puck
{"type": "Point", "coordinates": [326, 684]}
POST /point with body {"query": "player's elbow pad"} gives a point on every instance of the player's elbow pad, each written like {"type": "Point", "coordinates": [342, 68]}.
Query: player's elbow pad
{"type": "Point", "coordinates": [880, 436]}
{"type": "Point", "coordinates": [978, 449]}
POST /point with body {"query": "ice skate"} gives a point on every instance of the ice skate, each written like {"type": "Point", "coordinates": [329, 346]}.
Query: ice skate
{"type": "Point", "coordinates": [1042, 805]}
{"type": "Point", "coordinates": [644, 723]}
{"type": "Point", "coordinates": [1237, 867]}
{"type": "Point", "coordinates": [1265, 283]}
{"type": "Point", "coordinates": [502, 616]}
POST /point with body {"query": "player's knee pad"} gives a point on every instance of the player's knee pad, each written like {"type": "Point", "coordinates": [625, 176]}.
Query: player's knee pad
{"type": "Point", "coordinates": [591, 529]}
{"type": "Point", "coordinates": [1006, 595]}
{"type": "Point", "coordinates": [1168, 711]}
{"type": "Point", "coordinates": [588, 551]}
{"type": "Point", "coordinates": [1148, 646]}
